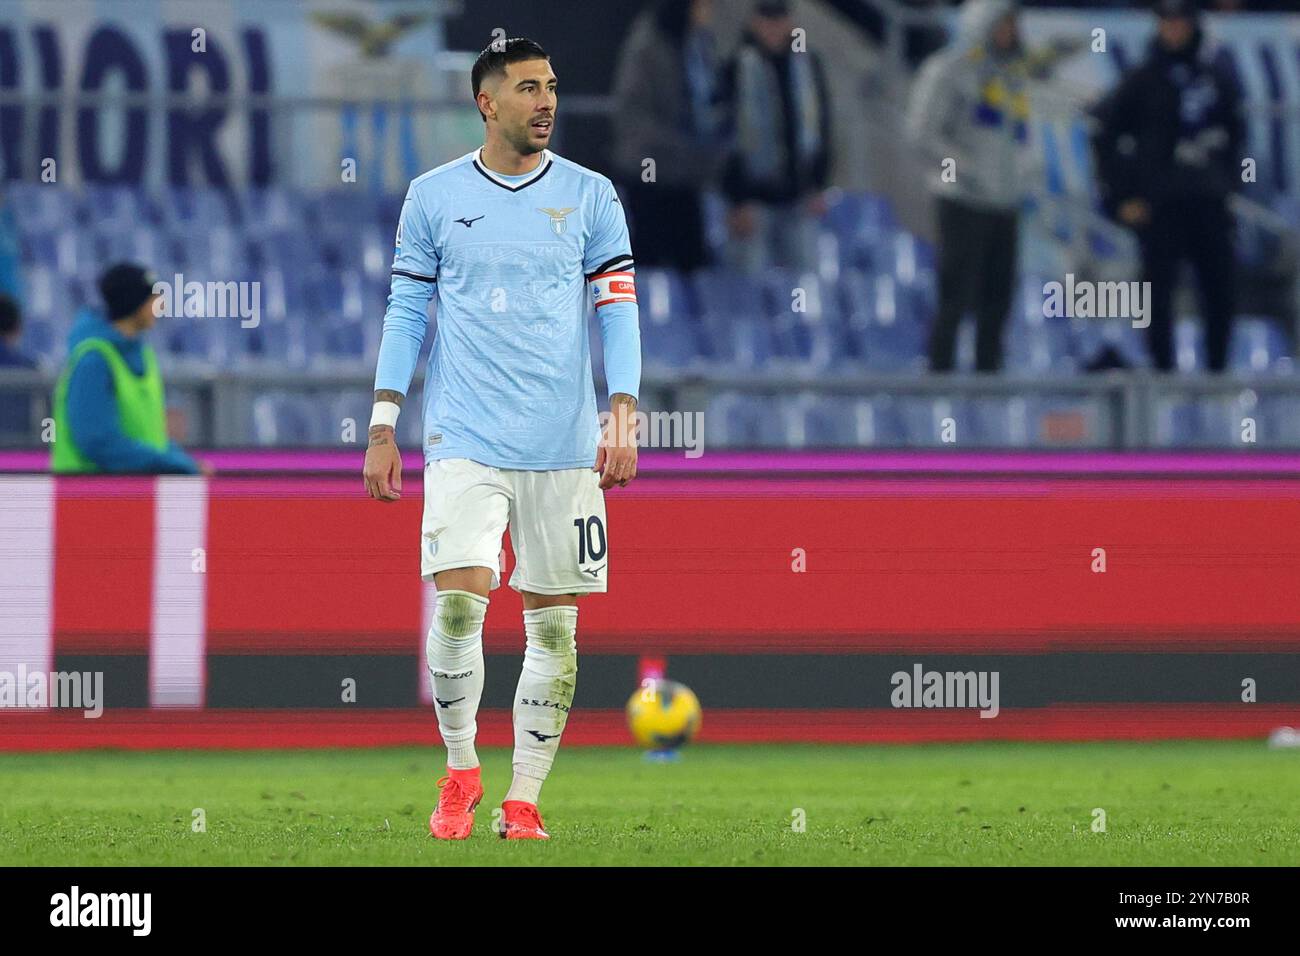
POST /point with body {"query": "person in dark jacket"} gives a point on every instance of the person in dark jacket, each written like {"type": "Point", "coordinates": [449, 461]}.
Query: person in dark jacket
{"type": "Point", "coordinates": [667, 146]}
{"type": "Point", "coordinates": [778, 166]}
{"type": "Point", "coordinates": [1168, 145]}
{"type": "Point", "coordinates": [11, 334]}
{"type": "Point", "coordinates": [16, 406]}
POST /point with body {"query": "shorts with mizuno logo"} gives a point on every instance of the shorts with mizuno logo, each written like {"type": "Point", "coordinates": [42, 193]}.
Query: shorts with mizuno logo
{"type": "Point", "coordinates": [556, 521]}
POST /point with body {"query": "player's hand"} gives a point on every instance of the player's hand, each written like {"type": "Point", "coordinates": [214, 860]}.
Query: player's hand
{"type": "Point", "coordinates": [616, 452]}
{"type": "Point", "coordinates": [383, 469]}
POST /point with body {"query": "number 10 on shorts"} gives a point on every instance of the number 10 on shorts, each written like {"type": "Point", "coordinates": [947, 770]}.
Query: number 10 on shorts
{"type": "Point", "coordinates": [591, 539]}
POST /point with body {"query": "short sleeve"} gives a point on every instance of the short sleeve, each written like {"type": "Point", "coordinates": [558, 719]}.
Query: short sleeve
{"type": "Point", "coordinates": [609, 248]}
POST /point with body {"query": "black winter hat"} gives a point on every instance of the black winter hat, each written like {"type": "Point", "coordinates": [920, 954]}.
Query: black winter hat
{"type": "Point", "coordinates": [125, 287]}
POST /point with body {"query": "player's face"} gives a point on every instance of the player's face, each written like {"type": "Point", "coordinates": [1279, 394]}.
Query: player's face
{"type": "Point", "coordinates": [525, 105]}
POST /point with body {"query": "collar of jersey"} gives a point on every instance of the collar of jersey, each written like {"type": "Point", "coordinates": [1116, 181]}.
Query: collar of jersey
{"type": "Point", "coordinates": [542, 169]}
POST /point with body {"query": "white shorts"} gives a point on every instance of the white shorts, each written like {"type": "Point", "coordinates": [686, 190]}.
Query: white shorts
{"type": "Point", "coordinates": [556, 521]}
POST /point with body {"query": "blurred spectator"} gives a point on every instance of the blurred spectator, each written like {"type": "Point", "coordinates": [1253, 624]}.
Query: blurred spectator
{"type": "Point", "coordinates": [108, 403]}
{"type": "Point", "coordinates": [779, 163]}
{"type": "Point", "coordinates": [664, 111]}
{"type": "Point", "coordinates": [11, 333]}
{"type": "Point", "coordinates": [16, 419]}
{"type": "Point", "coordinates": [923, 37]}
{"type": "Point", "coordinates": [9, 277]}
{"type": "Point", "coordinates": [1168, 144]}
{"type": "Point", "coordinates": [969, 118]}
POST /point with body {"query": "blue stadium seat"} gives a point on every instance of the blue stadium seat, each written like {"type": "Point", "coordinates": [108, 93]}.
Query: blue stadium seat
{"type": "Point", "coordinates": [1257, 345]}
{"type": "Point", "coordinates": [663, 295]}
{"type": "Point", "coordinates": [997, 422]}
{"type": "Point", "coordinates": [335, 296]}
{"type": "Point", "coordinates": [218, 253]}
{"type": "Point", "coordinates": [863, 226]}
{"type": "Point", "coordinates": [270, 343]}
{"type": "Point", "coordinates": [38, 246]}
{"type": "Point", "coordinates": [376, 253]}
{"type": "Point", "coordinates": [722, 293]}
{"type": "Point", "coordinates": [815, 421]}
{"type": "Point", "coordinates": [670, 345]}
{"type": "Point", "coordinates": [341, 208]}
{"type": "Point", "coordinates": [741, 420]}
{"type": "Point", "coordinates": [1278, 419]}
{"type": "Point", "coordinates": [743, 343]}
{"type": "Point", "coordinates": [196, 208]}
{"type": "Point", "coordinates": [806, 343]}
{"type": "Point", "coordinates": [280, 418]}
{"type": "Point", "coordinates": [137, 243]}
{"type": "Point", "coordinates": [923, 421]}
{"type": "Point", "coordinates": [43, 337]}
{"type": "Point", "coordinates": [883, 330]}
{"type": "Point", "coordinates": [39, 208]}
{"type": "Point", "coordinates": [270, 210]}
{"type": "Point", "coordinates": [114, 208]}
{"type": "Point", "coordinates": [1183, 422]}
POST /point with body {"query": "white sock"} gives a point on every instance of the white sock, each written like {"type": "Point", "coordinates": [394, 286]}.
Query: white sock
{"type": "Point", "coordinates": [455, 656]}
{"type": "Point", "coordinates": [544, 696]}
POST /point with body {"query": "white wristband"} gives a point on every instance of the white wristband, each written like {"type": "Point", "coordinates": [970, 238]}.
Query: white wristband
{"type": "Point", "coordinates": [385, 413]}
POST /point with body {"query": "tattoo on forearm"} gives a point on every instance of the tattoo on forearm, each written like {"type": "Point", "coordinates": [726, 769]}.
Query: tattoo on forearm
{"type": "Point", "coordinates": [388, 395]}
{"type": "Point", "coordinates": [621, 401]}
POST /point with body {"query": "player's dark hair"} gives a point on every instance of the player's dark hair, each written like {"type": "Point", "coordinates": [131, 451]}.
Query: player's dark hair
{"type": "Point", "coordinates": [497, 56]}
{"type": "Point", "coordinates": [11, 319]}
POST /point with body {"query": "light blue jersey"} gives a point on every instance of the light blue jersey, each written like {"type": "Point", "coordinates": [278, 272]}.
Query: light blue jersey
{"type": "Point", "coordinates": [515, 263]}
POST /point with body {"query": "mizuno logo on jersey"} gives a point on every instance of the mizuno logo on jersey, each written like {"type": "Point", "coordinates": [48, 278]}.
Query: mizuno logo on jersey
{"type": "Point", "coordinates": [469, 223]}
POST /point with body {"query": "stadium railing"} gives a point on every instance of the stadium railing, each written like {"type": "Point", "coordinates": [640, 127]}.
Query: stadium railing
{"type": "Point", "coordinates": [1120, 410]}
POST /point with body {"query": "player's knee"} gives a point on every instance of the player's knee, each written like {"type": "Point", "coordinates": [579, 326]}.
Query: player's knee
{"type": "Point", "coordinates": [459, 614]}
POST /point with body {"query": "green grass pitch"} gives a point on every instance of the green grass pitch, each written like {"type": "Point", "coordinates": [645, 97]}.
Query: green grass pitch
{"type": "Point", "coordinates": [1177, 803]}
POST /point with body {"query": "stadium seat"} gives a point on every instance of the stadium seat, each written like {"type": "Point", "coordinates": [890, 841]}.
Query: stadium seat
{"type": "Point", "coordinates": [818, 421]}
{"type": "Point", "coordinates": [114, 208]}
{"type": "Point", "coordinates": [196, 209]}
{"type": "Point", "coordinates": [743, 420]}
{"type": "Point", "coordinates": [722, 293]}
{"type": "Point", "coordinates": [43, 337]}
{"type": "Point", "coordinates": [1278, 420]}
{"type": "Point", "coordinates": [269, 210]}
{"type": "Point", "coordinates": [280, 418]}
{"type": "Point", "coordinates": [740, 343]}
{"type": "Point", "coordinates": [1258, 345]}
{"type": "Point", "coordinates": [197, 341]}
{"type": "Point", "coordinates": [38, 208]}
